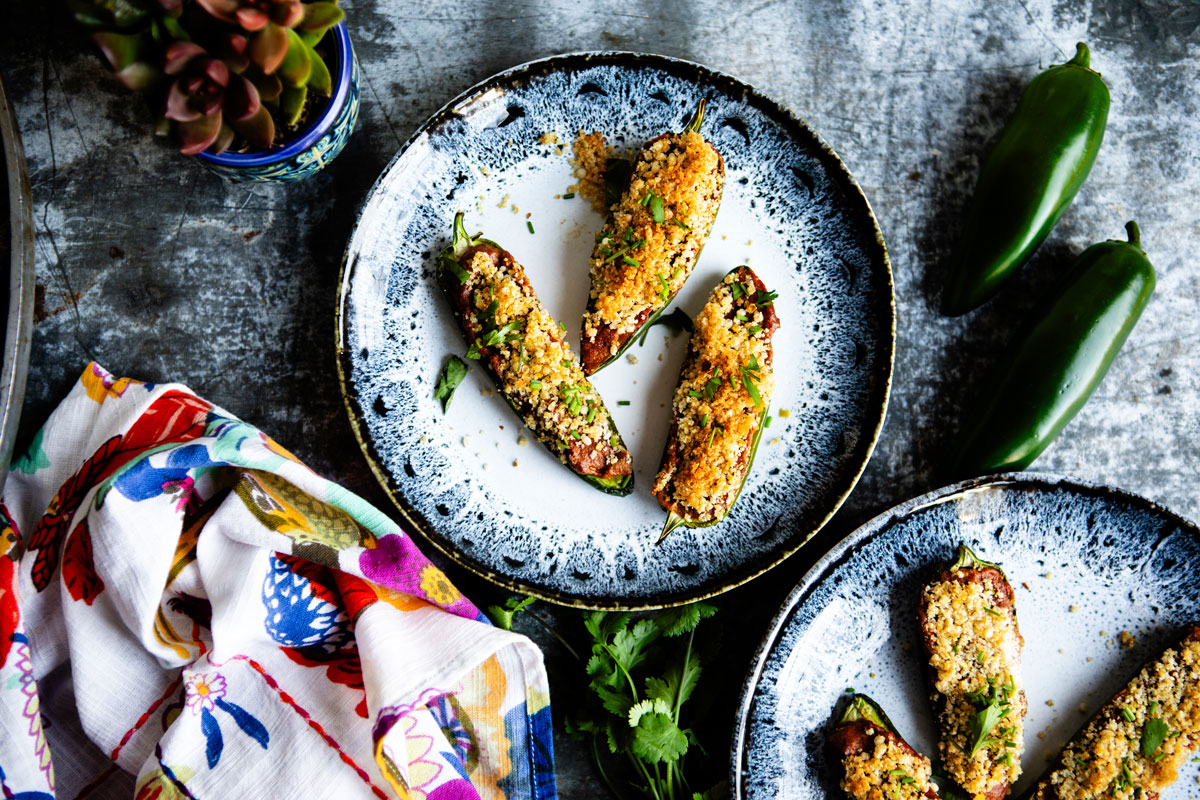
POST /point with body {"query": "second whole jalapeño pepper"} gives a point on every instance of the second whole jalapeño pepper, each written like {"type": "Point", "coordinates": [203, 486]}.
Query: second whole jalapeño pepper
{"type": "Point", "coordinates": [1055, 367]}
{"type": "Point", "coordinates": [1032, 173]}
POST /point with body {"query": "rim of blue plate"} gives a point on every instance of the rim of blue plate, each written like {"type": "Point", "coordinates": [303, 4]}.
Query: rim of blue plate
{"type": "Point", "coordinates": [877, 525]}
{"type": "Point", "coordinates": [873, 427]}
{"type": "Point", "coordinates": [345, 55]}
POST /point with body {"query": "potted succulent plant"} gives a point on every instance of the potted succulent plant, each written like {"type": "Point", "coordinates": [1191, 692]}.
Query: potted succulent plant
{"type": "Point", "coordinates": [257, 89]}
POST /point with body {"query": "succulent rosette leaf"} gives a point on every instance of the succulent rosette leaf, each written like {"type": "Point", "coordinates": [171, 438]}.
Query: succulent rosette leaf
{"type": "Point", "coordinates": [209, 103]}
{"type": "Point", "coordinates": [224, 70]}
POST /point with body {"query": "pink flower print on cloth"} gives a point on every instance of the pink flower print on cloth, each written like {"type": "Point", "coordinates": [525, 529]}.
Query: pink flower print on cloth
{"type": "Point", "coordinates": [202, 690]}
{"type": "Point", "coordinates": [205, 693]}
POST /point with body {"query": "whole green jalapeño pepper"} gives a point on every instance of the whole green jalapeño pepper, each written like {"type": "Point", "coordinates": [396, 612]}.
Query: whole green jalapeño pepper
{"type": "Point", "coordinates": [1042, 157]}
{"type": "Point", "coordinates": [1054, 369]}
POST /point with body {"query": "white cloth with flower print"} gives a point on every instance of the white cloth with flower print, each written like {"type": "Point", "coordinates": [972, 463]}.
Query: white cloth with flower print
{"type": "Point", "coordinates": [237, 626]}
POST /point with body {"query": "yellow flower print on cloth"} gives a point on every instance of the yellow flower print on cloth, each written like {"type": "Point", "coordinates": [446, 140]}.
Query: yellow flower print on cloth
{"type": "Point", "coordinates": [437, 587]}
{"type": "Point", "coordinates": [101, 385]}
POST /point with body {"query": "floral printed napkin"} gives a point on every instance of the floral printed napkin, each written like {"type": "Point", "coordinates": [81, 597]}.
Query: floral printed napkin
{"type": "Point", "coordinates": [238, 626]}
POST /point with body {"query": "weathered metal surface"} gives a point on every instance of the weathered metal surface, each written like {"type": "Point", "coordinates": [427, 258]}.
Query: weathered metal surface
{"type": "Point", "coordinates": [159, 270]}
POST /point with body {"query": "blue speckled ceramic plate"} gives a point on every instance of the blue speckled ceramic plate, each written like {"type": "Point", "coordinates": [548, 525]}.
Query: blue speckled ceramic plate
{"type": "Point", "coordinates": [501, 152]}
{"type": "Point", "coordinates": [1086, 562]}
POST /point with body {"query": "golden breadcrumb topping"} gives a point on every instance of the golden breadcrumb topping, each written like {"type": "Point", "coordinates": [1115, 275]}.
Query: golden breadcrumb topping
{"type": "Point", "coordinates": [888, 771]}
{"type": "Point", "coordinates": [533, 361]}
{"type": "Point", "coordinates": [976, 660]}
{"type": "Point", "coordinates": [591, 156]}
{"type": "Point", "coordinates": [716, 415]}
{"type": "Point", "coordinates": [1139, 743]}
{"type": "Point", "coordinates": [654, 234]}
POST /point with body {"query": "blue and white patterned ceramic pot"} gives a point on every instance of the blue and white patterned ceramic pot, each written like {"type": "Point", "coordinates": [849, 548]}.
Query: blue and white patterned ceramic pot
{"type": "Point", "coordinates": [318, 145]}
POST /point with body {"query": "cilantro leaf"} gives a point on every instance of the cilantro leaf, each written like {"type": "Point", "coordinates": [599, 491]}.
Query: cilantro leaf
{"type": "Point", "coordinates": [656, 209]}
{"type": "Point", "coordinates": [684, 619]}
{"type": "Point", "coordinates": [450, 265]}
{"type": "Point", "coordinates": [629, 645]}
{"type": "Point", "coordinates": [657, 739]}
{"type": "Point", "coordinates": [503, 616]}
{"type": "Point", "coordinates": [614, 702]}
{"type": "Point", "coordinates": [1154, 734]}
{"type": "Point", "coordinates": [655, 706]}
{"type": "Point", "coordinates": [677, 320]}
{"type": "Point", "coordinates": [617, 172]}
{"type": "Point", "coordinates": [452, 375]}
{"type": "Point", "coordinates": [982, 723]}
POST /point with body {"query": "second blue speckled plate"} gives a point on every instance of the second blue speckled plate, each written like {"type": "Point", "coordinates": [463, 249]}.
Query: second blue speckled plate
{"type": "Point", "coordinates": [1086, 562]}
{"type": "Point", "coordinates": [471, 481]}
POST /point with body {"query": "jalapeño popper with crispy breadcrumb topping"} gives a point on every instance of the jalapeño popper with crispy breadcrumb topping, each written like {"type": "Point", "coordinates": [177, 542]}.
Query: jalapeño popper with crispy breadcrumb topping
{"type": "Point", "coordinates": [651, 240]}
{"type": "Point", "coordinates": [720, 404]}
{"type": "Point", "coordinates": [873, 760]}
{"type": "Point", "coordinates": [525, 350]}
{"type": "Point", "coordinates": [969, 628]}
{"type": "Point", "coordinates": [1137, 742]}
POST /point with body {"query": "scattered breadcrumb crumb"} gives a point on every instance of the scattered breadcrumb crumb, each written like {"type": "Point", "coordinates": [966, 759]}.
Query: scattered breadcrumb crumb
{"type": "Point", "coordinates": [591, 153]}
{"type": "Point", "coordinates": [1072, 609]}
{"type": "Point", "coordinates": [632, 359]}
{"type": "Point", "coordinates": [1050, 703]}
{"type": "Point", "coordinates": [549, 137]}
{"type": "Point", "coordinates": [516, 463]}
{"type": "Point", "coordinates": [1126, 639]}
{"type": "Point", "coordinates": [522, 441]}
{"type": "Point", "coordinates": [466, 440]}
{"type": "Point", "coordinates": [783, 412]}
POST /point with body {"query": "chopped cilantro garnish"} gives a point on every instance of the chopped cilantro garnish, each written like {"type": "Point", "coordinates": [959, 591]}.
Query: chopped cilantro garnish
{"type": "Point", "coordinates": [561, 326]}
{"type": "Point", "coordinates": [622, 402]}
{"type": "Point", "coordinates": [576, 434]}
{"type": "Point", "coordinates": [1154, 734]}
{"type": "Point", "coordinates": [716, 426]}
{"type": "Point", "coordinates": [450, 264]}
{"type": "Point", "coordinates": [664, 291]}
{"type": "Point", "coordinates": [452, 375]}
{"type": "Point", "coordinates": [633, 262]}
{"type": "Point", "coordinates": [568, 195]}
{"type": "Point", "coordinates": [993, 612]}
{"type": "Point", "coordinates": [712, 384]}
{"type": "Point", "coordinates": [768, 422]}
{"type": "Point", "coordinates": [704, 421]}
{"type": "Point", "coordinates": [1127, 714]}
{"type": "Point", "coordinates": [566, 362]}
{"type": "Point", "coordinates": [535, 385]}
{"type": "Point", "coordinates": [693, 393]}
{"type": "Point", "coordinates": [591, 415]}
{"type": "Point", "coordinates": [736, 289]}
{"type": "Point", "coordinates": [741, 315]}
{"type": "Point", "coordinates": [681, 224]}
{"type": "Point", "coordinates": [754, 329]}
{"type": "Point", "coordinates": [751, 374]}
{"type": "Point", "coordinates": [529, 224]}
{"type": "Point", "coordinates": [473, 351]}
{"type": "Point", "coordinates": [764, 299]}
{"type": "Point", "coordinates": [656, 209]}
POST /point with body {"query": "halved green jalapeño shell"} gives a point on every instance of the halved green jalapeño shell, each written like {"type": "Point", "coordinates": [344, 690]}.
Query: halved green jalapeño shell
{"type": "Point", "coordinates": [450, 269]}
{"type": "Point", "coordinates": [863, 707]}
{"type": "Point", "coordinates": [675, 520]}
{"type": "Point", "coordinates": [622, 175]}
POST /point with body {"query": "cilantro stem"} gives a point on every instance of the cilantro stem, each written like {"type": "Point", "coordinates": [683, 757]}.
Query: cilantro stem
{"type": "Point", "coordinates": [556, 635]}
{"type": "Point", "coordinates": [600, 766]}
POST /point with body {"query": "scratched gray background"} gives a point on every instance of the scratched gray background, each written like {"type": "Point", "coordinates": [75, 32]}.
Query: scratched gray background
{"type": "Point", "coordinates": [157, 269]}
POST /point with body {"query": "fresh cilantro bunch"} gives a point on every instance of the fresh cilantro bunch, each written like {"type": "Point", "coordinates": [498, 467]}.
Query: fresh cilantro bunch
{"type": "Point", "coordinates": [639, 687]}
